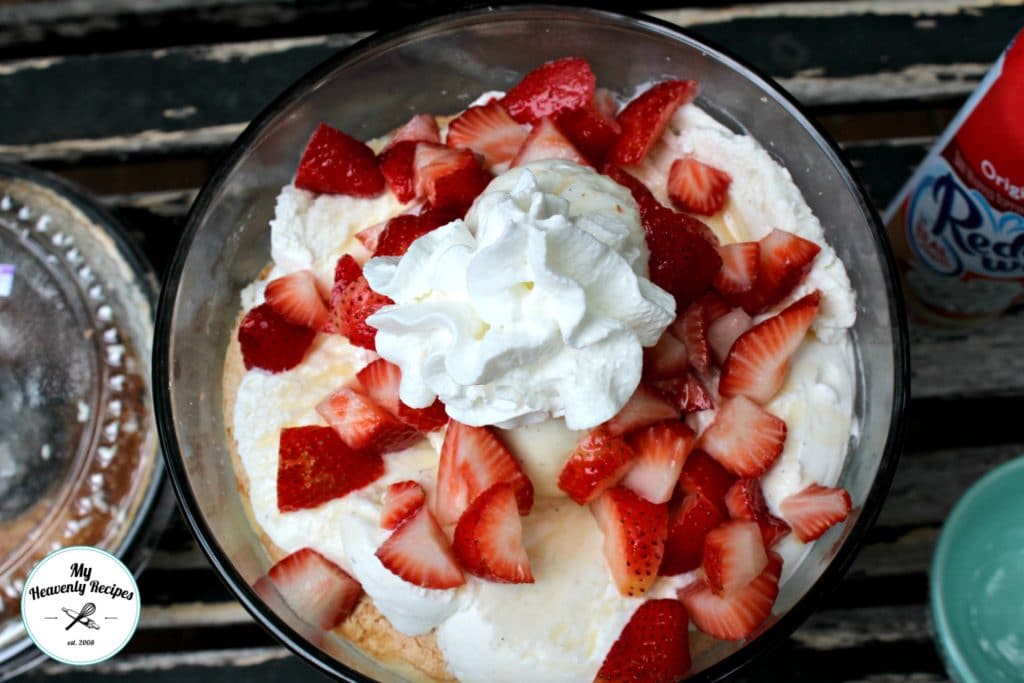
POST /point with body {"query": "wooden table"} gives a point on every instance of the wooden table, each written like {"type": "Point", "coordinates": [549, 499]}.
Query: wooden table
{"type": "Point", "coordinates": [137, 99]}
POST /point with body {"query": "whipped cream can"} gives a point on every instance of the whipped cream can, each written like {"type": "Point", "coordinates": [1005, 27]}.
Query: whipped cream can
{"type": "Point", "coordinates": [957, 226]}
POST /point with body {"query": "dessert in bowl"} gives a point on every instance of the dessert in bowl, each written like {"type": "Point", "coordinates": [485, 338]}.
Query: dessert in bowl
{"type": "Point", "coordinates": [526, 322]}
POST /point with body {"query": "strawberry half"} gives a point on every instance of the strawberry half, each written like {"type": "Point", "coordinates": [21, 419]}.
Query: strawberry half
{"type": "Point", "coordinates": [733, 555]}
{"type": "Point", "coordinates": [401, 499]}
{"type": "Point", "coordinates": [702, 474]}
{"type": "Point", "coordinates": [363, 425]}
{"type": "Point", "coordinates": [687, 528]}
{"type": "Point", "coordinates": [697, 187]}
{"type": "Point", "coordinates": [396, 165]}
{"type": "Point", "coordinates": [314, 466]}
{"type": "Point", "coordinates": [419, 552]}
{"type": "Point", "coordinates": [590, 131]}
{"type": "Point", "coordinates": [644, 407]}
{"type": "Point", "coordinates": [420, 128]}
{"type": "Point", "coordinates": [489, 537]}
{"type": "Point", "coordinates": [740, 264]}
{"type": "Point", "coordinates": [758, 360]}
{"type": "Point", "coordinates": [334, 163]}
{"type": "Point", "coordinates": [315, 588]}
{"type": "Point", "coordinates": [661, 450]}
{"type": "Point", "coordinates": [687, 393]}
{"type": "Point", "coordinates": [683, 262]}
{"type": "Point", "coordinates": [489, 131]}
{"type": "Point", "coordinates": [380, 381]}
{"type": "Point", "coordinates": [553, 87]}
{"type": "Point", "coordinates": [735, 614]}
{"type": "Point", "coordinates": [634, 538]}
{"type": "Point", "coordinates": [667, 358]}
{"type": "Point", "coordinates": [269, 342]}
{"type": "Point", "coordinates": [744, 437]}
{"type": "Point", "coordinates": [745, 500]}
{"type": "Point", "coordinates": [300, 298]}
{"type": "Point", "coordinates": [598, 462]}
{"type": "Point", "coordinates": [653, 647]}
{"type": "Point", "coordinates": [353, 306]}
{"type": "Point", "coordinates": [785, 260]}
{"type": "Point", "coordinates": [546, 142]}
{"type": "Point", "coordinates": [645, 118]}
{"type": "Point", "coordinates": [814, 510]}
{"type": "Point", "coordinates": [724, 332]}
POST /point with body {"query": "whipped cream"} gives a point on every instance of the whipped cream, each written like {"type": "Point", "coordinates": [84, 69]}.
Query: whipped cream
{"type": "Point", "coordinates": [536, 306]}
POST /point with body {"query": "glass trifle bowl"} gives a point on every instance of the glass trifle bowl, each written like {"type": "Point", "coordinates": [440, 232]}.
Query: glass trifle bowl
{"type": "Point", "coordinates": [440, 67]}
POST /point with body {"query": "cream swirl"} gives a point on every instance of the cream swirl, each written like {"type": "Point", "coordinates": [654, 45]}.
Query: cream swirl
{"type": "Point", "coordinates": [537, 305]}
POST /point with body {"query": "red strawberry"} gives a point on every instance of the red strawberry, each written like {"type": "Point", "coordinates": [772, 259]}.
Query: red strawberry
{"type": "Point", "coordinates": [724, 332]}
{"type": "Point", "coordinates": [686, 393]}
{"type": "Point", "coordinates": [401, 231]}
{"type": "Point", "coordinates": [812, 511]}
{"type": "Point", "coordinates": [553, 87]}
{"type": "Point", "coordinates": [433, 161]}
{"type": "Point", "coordinates": [369, 237]}
{"type": "Point", "coordinates": [745, 500]}
{"type": "Point", "coordinates": [644, 407]}
{"type": "Point", "coordinates": [653, 647]}
{"type": "Point", "coordinates": [315, 466]}
{"type": "Point", "coordinates": [697, 187]}
{"type": "Point", "coordinates": [649, 205]}
{"type": "Point", "coordinates": [758, 360]}
{"type": "Point", "coordinates": [634, 538]}
{"type": "Point", "coordinates": [401, 500]}
{"type": "Point", "coordinates": [714, 307]}
{"type": "Point", "coordinates": [315, 588]}
{"type": "Point", "coordinates": [489, 537]}
{"type": "Point", "coordinates": [334, 163]}
{"type": "Point", "coordinates": [545, 141]}
{"type": "Point", "coordinates": [346, 271]}
{"type": "Point", "coordinates": [744, 437]}
{"type": "Point", "coordinates": [355, 304]}
{"type": "Point", "coordinates": [686, 531]}
{"type": "Point", "coordinates": [667, 358]}
{"type": "Point", "coordinates": [644, 119]}
{"type": "Point", "coordinates": [420, 128]}
{"type": "Point", "coordinates": [419, 552]}
{"type": "Point", "coordinates": [736, 614]}
{"type": "Point", "coordinates": [702, 474]}
{"type": "Point", "coordinates": [740, 263]}
{"type": "Point", "coordinates": [683, 262]}
{"type": "Point", "coordinates": [473, 459]}
{"type": "Point", "coordinates": [598, 462]}
{"type": "Point", "coordinates": [692, 328]}
{"type": "Point", "coordinates": [456, 191]}
{"type": "Point", "coordinates": [364, 425]}
{"type": "Point", "coordinates": [590, 131]}
{"type": "Point", "coordinates": [396, 164]}
{"type": "Point", "coordinates": [489, 131]}
{"type": "Point", "coordinates": [300, 298]}
{"type": "Point", "coordinates": [661, 450]}
{"type": "Point", "coordinates": [733, 556]}
{"type": "Point", "coordinates": [380, 379]}
{"type": "Point", "coordinates": [784, 261]}
{"type": "Point", "coordinates": [269, 342]}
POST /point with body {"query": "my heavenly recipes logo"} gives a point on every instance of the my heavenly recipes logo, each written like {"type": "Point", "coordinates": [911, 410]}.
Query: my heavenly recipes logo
{"type": "Point", "coordinates": [80, 605]}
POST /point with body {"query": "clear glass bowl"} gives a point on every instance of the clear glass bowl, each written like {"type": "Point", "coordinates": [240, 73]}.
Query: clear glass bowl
{"type": "Point", "coordinates": [439, 67]}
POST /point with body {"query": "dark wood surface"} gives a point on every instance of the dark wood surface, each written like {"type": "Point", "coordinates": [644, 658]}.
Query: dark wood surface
{"type": "Point", "coordinates": [136, 100]}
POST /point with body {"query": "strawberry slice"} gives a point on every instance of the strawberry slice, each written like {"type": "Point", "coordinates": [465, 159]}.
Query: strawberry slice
{"type": "Point", "coordinates": [598, 462]}
{"type": "Point", "coordinates": [380, 380]}
{"type": "Point", "coordinates": [489, 537]}
{"type": "Point", "coordinates": [644, 407]}
{"type": "Point", "coordinates": [401, 499]}
{"type": "Point", "coordinates": [745, 500]}
{"type": "Point", "coordinates": [353, 306]}
{"type": "Point", "coordinates": [419, 552]}
{"type": "Point", "coordinates": [269, 342]}
{"type": "Point", "coordinates": [316, 589]}
{"type": "Point", "coordinates": [661, 450]}
{"type": "Point", "coordinates": [758, 360]}
{"type": "Point", "coordinates": [433, 161]}
{"type": "Point", "coordinates": [653, 647]}
{"type": "Point", "coordinates": [744, 438]}
{"type": "Point", "coordinates": [736, 614]}
{"type": "Point", "coordinates": [692, 328]}
{"type": "Point", "coordinates": [473, 459]}
{"type": "Point", "coordinates": [740, 263]}
{"type": "Point", "coordinates": [590, 131]}
{"type": "Point", "coordinates": [545, 141]}
{"type": "Point", "coordinates": [697, 187]}
{"type": "Point", "coordinates": [489, 131]}
{"type": "Point", "coordinates": [714, 307]}
{"type": "Point", "coordinates": [734, 555]}
{"type": "Point", "coordinates": [645, 118]}
{"type": "Point", "coordinates": [401, 231]}
{"type": "Point", "coordinates": [687, 393]}
{"type": "Point", "coordinates": [420, 128]}
{"type": "Point", "coordinates": [553, 87]}
{"type": "Point", "coordinates": [314, 466]}
{"type": "Point", "coordinates": [683, 262]}
{"type": "Point", "coordinates": [667, 358]}
{"type": "Point", "coordinates": [785, 260]}
{"type": "Point", "coordinates": [724, 332]}
{"type": "Point", "coordinates": [334, 163]}
{"type": "Point", "coordinates": [702, 474]}
{"type": "Point", "coordinates": [396, 165]}
{"type": "Point", "coordinates": [369, 237]}
{"type": "Point", "coordinates": [363, 425]}
{"type": "Point", "coordinates": [687, 528]}
{"type": "Point", "coordinates": [456, 191]}
{"type": "Point", "coordinates": [634, 538]}
{"type": "Point", "coordinates": [814, 510]}
{"type": "Point", "coordinates": [300, 298]}
{"type": "Point", "coordinates": [346, 271]}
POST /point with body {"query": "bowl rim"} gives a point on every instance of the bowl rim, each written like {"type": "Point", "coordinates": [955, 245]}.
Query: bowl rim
{"type": "Point", "coordinates": [850, 546]}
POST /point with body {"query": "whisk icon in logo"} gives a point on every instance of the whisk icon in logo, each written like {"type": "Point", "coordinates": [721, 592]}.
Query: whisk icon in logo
{"type": "Point", "coordinates": [80, 605]}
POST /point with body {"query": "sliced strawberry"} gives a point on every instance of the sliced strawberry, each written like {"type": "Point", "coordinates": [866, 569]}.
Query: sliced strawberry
{"type": "Point", "coordinates": [733, 555]}
{"type": "Point", "coordinates": [692, 328]}
{"type": "Point", "coordinates": [401, 231]}
{"type": "Point", "coordinates": [745, 500]}
{"type": "Point", "coordinates": [300, 298]}
{"type": "Point", "coordinates": [314, 466]}
{"type": "Point", "coordinates": [420, 128]}
{"type": "Point", "coordinates": [473, 459]}
{"type": "Point", "coordinates": [489, 537]}
{"type": "Point", "coordinates": [714, 307]}
{"type": "Point", "coordinates": [315, 588]}
{"type": "Point", "coordinates": [269, 342]}
{"type": "Point", "coordinates": [683, 262]}
{"type": "Point", "coordinates": [346, 271]}
{"type": "Point", "coordinates": [419, 552]}
{"type": "Point", "coordinates": [353, 306]}
{"type": "Point", "coordinates": [697, 187]}
{"type": "Point", "coordinates": [814, 510]}
{"type": "Point", "coordinates": [634, 538]}
{"type": "Point", "coordinates": [702, 474]}
{"type": "Point", "coordinates": [649, 205]}
{"type": "Point", "coordinates": [380, 379]}
{"type": "Point", "coordinates": [686, 531]}
{"type": "Point", "coordinates": [652, 648]}
{"type": "Point", "coordinates": [433, 161]}
{"type": "Point", "coordinates": [740, 263]}
{"type": "Point", "coordinates": [553, 87]}
{"type": "Point", "coordinates": [645, 118]}
{"type": "Point", "coordinates": [758, 360]}
{"type": "Point", "coordinates": [363, 425]}
{"type": "Point", "coordinates": [401, 499]}
{"type": "Point", "coordinates": [396, 165]}
{"type": "Point", "coordinates": [667, 358]}
{"type": "Point", "coordinates": [545, 142]}
{"type": "Point", "coordinates": [744, 437]}
{"type": "Point", "coordinates": [590, 131]}
{"type": "Point", "coordinates": [456, 191]}
{"type": "Point", "coordinates": [661, 450]}
{"type": "Point", "coordinates": [724, 332]}
{"type": "Point", "coordinates": [598, 462]}
{"type": "Point", "coordinates": [644, 407]}
{"type": "Point", "coordinates": [369, 237]}
{"type": "Point", "coordinates": [334, 163]}
{"type": "Point", "coordinates": [785, 260]}
{"type": "Point", "coordinates": [489, 131]}
{"type": "Point", "coordinates": [736, 614]}
{"type": "Point", "coordinates": [687, 393]}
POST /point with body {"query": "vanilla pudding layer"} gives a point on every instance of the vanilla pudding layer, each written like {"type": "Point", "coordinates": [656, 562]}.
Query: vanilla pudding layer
{"type": "Point", "coordinates": [561, 627]}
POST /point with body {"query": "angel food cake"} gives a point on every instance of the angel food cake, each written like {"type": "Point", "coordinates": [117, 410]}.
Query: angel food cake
{"type": "Point", "coordinates": [546, 391]}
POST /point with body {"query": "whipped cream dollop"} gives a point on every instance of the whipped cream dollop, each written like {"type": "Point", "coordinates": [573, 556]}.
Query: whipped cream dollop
{"type": "Point", "coordinates": [537, 305]}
